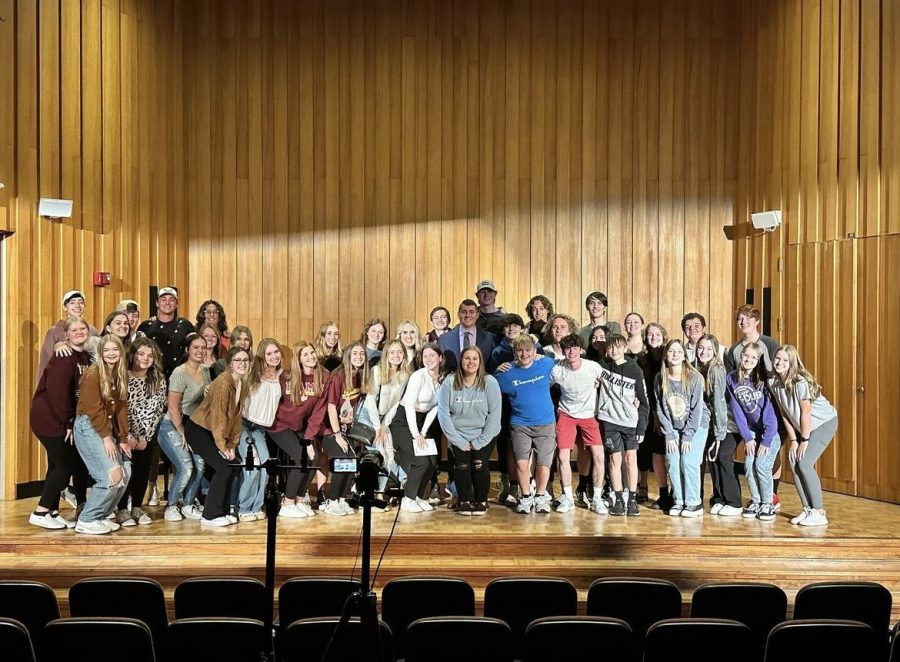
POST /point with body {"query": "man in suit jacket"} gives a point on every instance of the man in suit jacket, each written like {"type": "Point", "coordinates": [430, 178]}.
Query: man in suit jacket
{"type": "Point", "coordinates": [465, 333]}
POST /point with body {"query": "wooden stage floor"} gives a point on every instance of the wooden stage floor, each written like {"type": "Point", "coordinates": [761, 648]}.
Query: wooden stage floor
{"type": "Point", "coordinates": [862, 542]}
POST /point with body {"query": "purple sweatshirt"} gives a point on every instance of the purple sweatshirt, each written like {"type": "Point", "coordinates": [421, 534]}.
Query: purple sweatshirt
{"type": "Point", "coordinates": [754, 413]}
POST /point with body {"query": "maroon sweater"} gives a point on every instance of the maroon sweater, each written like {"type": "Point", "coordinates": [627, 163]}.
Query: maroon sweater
{"type": "Point", "coordinates": [56, 397]}
{"type": "Point", "coordinates": [335, 394]}
{"type": "Point", "coordinates": [305, 418]}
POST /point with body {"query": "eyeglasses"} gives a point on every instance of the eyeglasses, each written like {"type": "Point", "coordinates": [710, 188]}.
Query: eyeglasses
{"type": "Point", "coordinates": [240, 361]}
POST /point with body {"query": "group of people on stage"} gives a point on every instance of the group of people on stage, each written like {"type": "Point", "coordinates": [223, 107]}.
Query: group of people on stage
{"type": "Point", "coordinates": [633, 401]}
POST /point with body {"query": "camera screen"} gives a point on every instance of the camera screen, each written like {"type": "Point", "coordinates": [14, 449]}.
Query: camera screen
{"type": "Point", "coordinates": [343, 465]}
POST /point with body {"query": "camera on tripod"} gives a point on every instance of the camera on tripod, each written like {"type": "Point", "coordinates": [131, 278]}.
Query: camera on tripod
{"type": "Point", "coordinates": [367, 468]}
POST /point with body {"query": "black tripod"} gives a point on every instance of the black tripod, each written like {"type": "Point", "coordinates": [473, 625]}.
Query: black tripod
{"type": "Point", "coordinates": [361, 603]}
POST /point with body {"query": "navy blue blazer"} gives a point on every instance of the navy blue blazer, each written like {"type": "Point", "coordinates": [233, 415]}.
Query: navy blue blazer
{"type": "Point", "coordinates": [449, 342]}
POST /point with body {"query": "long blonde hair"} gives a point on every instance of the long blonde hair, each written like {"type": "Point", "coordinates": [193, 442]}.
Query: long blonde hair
{"type": "Point", "coordinates": [687, 370]}
{"type": "Point", "coordinates": [797, 372]}
{"type": "Point", "coordinates": [321, 349]}
{"type": "Point", "coordinates": [418, 331]}
{"type": "Point", "coordinates": [113, 379]}
{"type": "Point", "coordinates": [758, 374]}
{"type": "Point", "coordinates": [258, 364]}
{"type": "Point", "coordinates": [706, 369]}
{"type": "Point", "coordinates": [387, 372]}
{"type": "Point", "coordinates": [297, 372]}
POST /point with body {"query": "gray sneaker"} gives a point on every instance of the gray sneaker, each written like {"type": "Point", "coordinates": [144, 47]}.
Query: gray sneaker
{"type": "Point", "coordinates": [542, 503]}
{"type": "Point", "coordinates": [140, 516]}
{"type": "Point", "coordinates": [124, 518]}
{"type": "Point", "coordinates": [525, 505]}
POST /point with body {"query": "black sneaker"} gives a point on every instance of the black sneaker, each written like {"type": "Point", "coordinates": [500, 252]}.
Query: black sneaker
{"type": "Point", "coordinates": [642, 494]}
{"type": "Point", "coordinates": [479, 509]}
{"type": "Point", "coordinates": [634, 510]}
{"type": "Point", "coordinates": [465, 508]}
{"type": "Point", "coordinates": [618, 508]}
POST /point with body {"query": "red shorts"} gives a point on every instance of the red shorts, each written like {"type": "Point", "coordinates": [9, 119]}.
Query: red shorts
{"type": "Point", "coordinates": [567, 428]}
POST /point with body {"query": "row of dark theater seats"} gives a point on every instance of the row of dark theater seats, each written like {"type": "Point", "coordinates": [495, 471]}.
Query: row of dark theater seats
{"type": "Point", "coordinates": [432, 619]}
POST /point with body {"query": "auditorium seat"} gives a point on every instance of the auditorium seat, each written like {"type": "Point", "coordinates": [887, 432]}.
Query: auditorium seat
{"type": "Point", "coordinates": [867, 602]}
{"type": "Point", "coordinates": [578, 639]}
{"type": "Point", "coordinates": [136, 598]}
{"type": "Point", "coordinates": [88, 639]}
{"type": "Point", "coordinates": [520, 600]}
{"type": "Point", "coordinates": [701, 640]}
{"type": "Point", "coordinates": [455, 638]}
{"type": "Point", "coordinates": [215, 639]}
{"type": "Point", "coordinates": [406, 599]}
{"type": "Point", "coordinates": [759, 606]}
{"type": "Point", "coordinates": [15, 642]}
{"type": "Point", "coordinates": [33, 604]}
{"type": "Point", "coordinates": [309, 638]}
{"type": "Point", "coordinates": [823, 641]}
{"type": "Point", "coordinates": [638, 601]}
{"type": "Point", "coordinates": [313, 597]}
{"type": "Point", "coordinates": [227, 597]}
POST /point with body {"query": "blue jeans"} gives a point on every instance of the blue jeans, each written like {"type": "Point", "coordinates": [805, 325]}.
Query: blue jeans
{"type": "Point", "coordinates": [104, 494]}
{"type": "Point", "coordinates": [253, 485]}
{"type": "Point", "coordinates": [188, 466]}
{"type": "Point", "coordinates": [759, 473]}
{"type": "Point", "coordinates": [684, 471]}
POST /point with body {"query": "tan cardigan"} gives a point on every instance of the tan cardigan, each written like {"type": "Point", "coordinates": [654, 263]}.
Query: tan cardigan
{"type": "Point", "coordinates": [106, 415]}
{"type": "Point", "coordinates": [220, 412]}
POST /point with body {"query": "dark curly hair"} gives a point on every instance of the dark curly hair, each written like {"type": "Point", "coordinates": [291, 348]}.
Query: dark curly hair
{"type": "Point", "coordinates": [201, 317]}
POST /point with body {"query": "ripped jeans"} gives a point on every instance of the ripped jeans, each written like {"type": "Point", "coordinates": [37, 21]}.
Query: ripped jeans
{"type": "Point", "coordinates": [473, 473]}
{"type": "Point", "coordinates": [110, 476]}
{"type": "Point", "coordinates": [187, 466]}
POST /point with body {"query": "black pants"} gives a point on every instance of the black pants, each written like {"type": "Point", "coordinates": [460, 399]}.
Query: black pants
{"type": "Point", "coordinates": [63, 462]}
{"type": "Point", "coordinates": [292, 444]}
{"type": "Point", "coordinates": [140, 477]}
{"type": "Point", "coordinates": [417, 467]}
{"type": "Point", "coordinates": [502, 439]}
{"type": "Point", "coordinates": [726, 488]}
{"type": "Point", "coordinates": [341, 482]}
{"type": "Point", "coordinates": [201, 441]}
{"type": "Point", "coordinates": [473, 473]}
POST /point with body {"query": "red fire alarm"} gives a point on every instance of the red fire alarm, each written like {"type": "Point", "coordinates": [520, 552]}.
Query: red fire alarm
{"type": "Point", "coordinates": [102, 279]}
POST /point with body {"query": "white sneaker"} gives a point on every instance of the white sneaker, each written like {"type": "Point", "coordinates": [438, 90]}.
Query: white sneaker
{"type": "Point", "coordinates": [408, 505]}
{"type": "Point", "coordinates": [424, 505]}
{"type": "Point", "coordinates": [69, 497]}
{"type": "Point", "coordinates": [140, 516]}
{"type": "Point", "coordinates": [154, 497]}
{"type": "Point", "coordinates": [110, 525]}
{"type": "Point", "coordinates": [815, 518]}
{"type": "Point", "coordinates": [565, 503]}
{"type": "Point", "coordinates": [45, 521]}
{"type": "Point", "coordinates": [526, 504]}
{"type": "Point", "coordinates": [68, 523]}
{"type": "Point", "coordinates": [304, 507]}
{"type": "Point", "coordinates": [123, 518]}
{"type": "Point", "coordinates": [95, 528]}
{"type": "Point", "coordinates": [346, 507]}
{"type": "Point", "coordinates": [190, 512]}
{"type": "Point", "coordinates": [260, 515]}
{"type": "Point", "coordinates": [542, 503]}
{"type": "Point", "coordinates": [247, 517]}
{"type": "Point", "coordinates": [730, 511]}
{"type": "Point", "coordinates": [692, 511]}
{"type": "Point", "coordinates": [716, 508]}
{"type": "Point", "coordinates": [291, 511]}
{"type": "Point", "coordinates": [333, 507]}
{"type": "Point", "coordinates": [218, 521]}
{"type": "Point", "coordinates": [802, 516]}
{"type": "Point", "coordinates": [172, 515]}
{"type": "Point", "coordinates": [598, 505]}
{"type": "Point", "coordinates": [675, 510]}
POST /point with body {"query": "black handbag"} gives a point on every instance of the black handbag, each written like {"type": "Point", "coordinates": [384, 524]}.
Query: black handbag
{"type": "Point", "coordinates": [361, 433]}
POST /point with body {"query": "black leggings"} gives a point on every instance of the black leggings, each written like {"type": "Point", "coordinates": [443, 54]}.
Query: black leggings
{"type": "Point", "coordinates": [417, 467]}
{"type": "Point", "coordinates": [140, 476]}
{"type": "Point", "coordinates": [292, 444]}
{"type": "Point", "coordinates": [726, 488]}
{"type": "Point", "coordinates": [201, 441]}
{"type": "Point", "coordinates": [473, 473]}
{"type": "Point", "coordinates": [63, 462]}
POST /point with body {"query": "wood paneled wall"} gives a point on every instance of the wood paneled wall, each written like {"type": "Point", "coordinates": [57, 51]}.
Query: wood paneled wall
{"type": "Point", "coordinates": [823, 145]}
{"type": "Point", "coordinates": [90, 110]}
{"type": "Point", "coordinates": [352, 159]}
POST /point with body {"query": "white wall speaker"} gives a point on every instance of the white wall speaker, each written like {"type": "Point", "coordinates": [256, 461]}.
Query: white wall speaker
{"type": "Point", "coordinates": [53, 208]}
{"type": "Point", "coordinates": [766, 220]}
